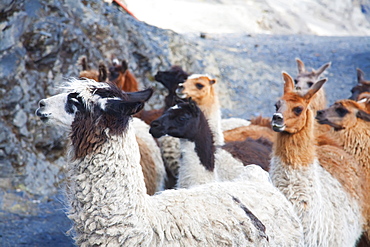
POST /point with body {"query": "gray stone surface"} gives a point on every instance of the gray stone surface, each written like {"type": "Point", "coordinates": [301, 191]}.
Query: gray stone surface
{"type": "Point", "coordinates": [40, 44]}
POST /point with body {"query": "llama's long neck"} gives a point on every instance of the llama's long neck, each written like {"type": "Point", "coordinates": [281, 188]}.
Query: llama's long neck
{"type": "Point", "coordinates": [107, 189]}
{"type": "Point", "coordinates": [298, 149]}
{"type": "Point", "coordinates": [212, 111]}
{"type": "Point", "coordinates": [356, 141]}
{"type": "Point", "coordinates": [198, 156]}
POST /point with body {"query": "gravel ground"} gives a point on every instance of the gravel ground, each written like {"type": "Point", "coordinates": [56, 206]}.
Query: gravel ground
{"type": "Point", "coordinates": [247, 63]}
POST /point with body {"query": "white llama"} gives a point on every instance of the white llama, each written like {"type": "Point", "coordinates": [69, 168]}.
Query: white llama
{"type": "Point", "coordinates": [108, 203]}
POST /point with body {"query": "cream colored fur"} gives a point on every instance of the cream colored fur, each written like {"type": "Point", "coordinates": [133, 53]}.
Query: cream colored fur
{"type": "Point", "coordinates": [142, 131]}
{"type": "Point", "coordinates": [330, 217]}
{"type": "Point", "coordinates": [232, 123]}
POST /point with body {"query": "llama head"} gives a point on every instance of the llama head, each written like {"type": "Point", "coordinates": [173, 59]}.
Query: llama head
{"type": "Point", "coordinates": [91, 102]}
{"type": "Point", "coordinates": [362, 85]}
{"type": "Point", "coordinates": [343, 114]}
{"type": "Point", "coordinates": [198, 87]}
{"type": "Point", "coordinates": [292, 108]}
{"type": "Point", "coordinates": [181, 121]}
{"type": "Point", "coordinates": [306, 79]}
{"type": "Point", "coordinates": [171, 78]}
{"type": "Point", "coordinates": [117, 70]}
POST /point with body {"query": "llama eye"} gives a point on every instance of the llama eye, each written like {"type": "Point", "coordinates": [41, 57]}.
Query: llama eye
{"type": "Point", "coordinates": [309, 84]}
{"type": "Point", "coordinates": [199, 86]}
{"type": "Point", "coordinates": [341, 111]}
{"type": "Point", "coordinates": [295, 81]}
{"type": "Point", "coordinates": [297, 110]}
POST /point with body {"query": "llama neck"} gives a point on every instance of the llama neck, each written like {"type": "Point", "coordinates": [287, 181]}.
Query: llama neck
{"type": "Point", "coordinates": [108, 182]}
{"type": "Point", "coordinates": [192, 171]}
{"type": "Point", "coordinates": [212, 112]}
{"type": "Point", "coordinates": [298, 149]}
{"type": "Point", "coordinates": [356, 141]}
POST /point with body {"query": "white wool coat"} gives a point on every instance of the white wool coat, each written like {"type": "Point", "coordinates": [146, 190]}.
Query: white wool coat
{"type": "Point", "coordinates": [330, 217]}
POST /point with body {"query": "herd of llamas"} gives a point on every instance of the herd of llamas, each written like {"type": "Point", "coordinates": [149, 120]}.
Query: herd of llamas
{"type": "Point", "coordinates": [184, 176]}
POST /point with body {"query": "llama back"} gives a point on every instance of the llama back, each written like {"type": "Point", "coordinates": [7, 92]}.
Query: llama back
{"type": "Point", "coordinates": [260, 206]}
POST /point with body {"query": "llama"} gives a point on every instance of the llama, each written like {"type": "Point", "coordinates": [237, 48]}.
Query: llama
{"type": "Point", "coordinates": [121, 75]}
{"type": "Point", "coordinates": [170, 146]}
{"type": "Point", "coordinates": [106, 190]}
{"type": "Point", "coordinates": [362, 86]}
{"type": "Point", "coordinates": [351, 124]}
{"type": "Point", "coordinates": [200, 87]}
{"type": "Point", "coordinates": [306, 79]}
{"type": "Point", "coordinates": [329, 212]}
{"type": "Point", "coordinates": [171, 79]}
{"type": "Point", "coordinates": [97, 75]}
{"type": "Point", "coordinates": [200, 157]}
{"type": "Point", "coordinates": [151, 161]}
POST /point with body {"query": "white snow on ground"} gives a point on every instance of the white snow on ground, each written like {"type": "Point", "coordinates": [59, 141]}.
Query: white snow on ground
{"type": "Point", "coordinates": [319, 17]}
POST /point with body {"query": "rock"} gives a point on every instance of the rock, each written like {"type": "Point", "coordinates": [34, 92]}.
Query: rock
{"type": "Point", "coordinates": [47, 39]}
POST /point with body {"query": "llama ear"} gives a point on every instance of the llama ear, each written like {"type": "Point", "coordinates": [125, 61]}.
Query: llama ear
{"type": "Point", "coordinates": [363, 115]}
{"type": "Point", "coordinates": [300, 65]}
{"type": "Point", "coordinates": [319, 71]}
{"type": "Point", "coordinates": [212, 81]}
{"type": "Point", "coordinates": [288, 83]}
{"type": "Point", "coordinates": [103, 73]}
{"type": "Point", "coordinates": [316, 87]}
{"type": "Point", "coordinates": [140, 96]}
{"type": "Point", "coordinates": [117, 107]}
{"type": "Point", "coordinates": [124, 66]}
{"type": "Point", "coordinates": [361, 77]}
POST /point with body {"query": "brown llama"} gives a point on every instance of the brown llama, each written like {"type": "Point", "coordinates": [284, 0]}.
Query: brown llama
{"type": "Point", "coordinates": [122, 76]}
{"type": "Point", "coordinates": [327, 195]}
{"type": "Point", "coordinates": [350, 121]}
{"type": "Point", "coordinates": [362, 86]}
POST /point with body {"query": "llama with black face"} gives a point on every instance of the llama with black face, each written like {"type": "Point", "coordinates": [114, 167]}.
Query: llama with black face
{"type": "Point", "coordinates": [199, 154]}
{"type": "Point", "coordinates": [202, 162]}
{"type": "Point", "coordinates": [107, 198]}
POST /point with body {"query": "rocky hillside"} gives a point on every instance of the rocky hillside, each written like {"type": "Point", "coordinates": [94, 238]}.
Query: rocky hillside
{"type": "Point", "coordinates": [41, 42]}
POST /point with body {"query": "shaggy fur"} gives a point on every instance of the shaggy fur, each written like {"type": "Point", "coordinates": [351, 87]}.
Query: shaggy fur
{"type": "Point", "coordinates": [362, 86]}
{"type": "Point", "coordinates": [352, 128]}
{"type": "Point", "coordinates": [152, 152]}
{"type": "Point", "coordinates": [330, 215]}
{"type": "Point", "coordinates": [109, 205]}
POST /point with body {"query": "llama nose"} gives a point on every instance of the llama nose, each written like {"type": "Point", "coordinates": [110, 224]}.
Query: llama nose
{"type": "Point", "coordinates": [277, 117]}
